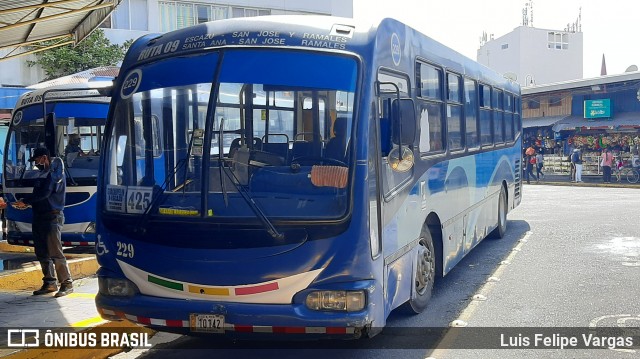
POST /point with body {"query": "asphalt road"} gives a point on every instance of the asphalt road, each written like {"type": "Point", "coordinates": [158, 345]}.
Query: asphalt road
{"type": "Point", "coordinates": [570, 261]}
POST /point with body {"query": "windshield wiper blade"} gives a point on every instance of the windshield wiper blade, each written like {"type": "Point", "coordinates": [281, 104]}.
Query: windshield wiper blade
{"type": "Point", "coordinates": [269, 227]}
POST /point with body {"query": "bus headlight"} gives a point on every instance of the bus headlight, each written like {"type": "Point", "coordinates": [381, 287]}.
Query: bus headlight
{"type": "Point", "coordinates": [91, 228]}
{"type": "Point", "coordinates": [338, 300]}
{"type": "Point", "coordinates": [117, 287]}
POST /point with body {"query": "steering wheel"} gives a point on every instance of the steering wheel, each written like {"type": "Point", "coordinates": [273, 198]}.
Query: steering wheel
{"type": "Point", "coordinates": [306, 160]}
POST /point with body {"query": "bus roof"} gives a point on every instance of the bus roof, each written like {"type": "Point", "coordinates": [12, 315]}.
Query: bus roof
{"type": "Point", "coordinates": [316, 32]}
{"type": "Point", "coordinates": [75, 92]}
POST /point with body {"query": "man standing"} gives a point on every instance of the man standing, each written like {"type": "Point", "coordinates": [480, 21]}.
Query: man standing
{"type": "Point", "coordinates": [47, 202]}
{"type": "Point", "coordinates": [576, 159]}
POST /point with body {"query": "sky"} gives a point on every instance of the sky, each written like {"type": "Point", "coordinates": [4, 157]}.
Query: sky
{"type": "Point", "coordinates": [609, 27]}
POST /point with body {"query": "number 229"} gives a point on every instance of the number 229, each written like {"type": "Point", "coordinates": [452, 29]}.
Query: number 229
{"type": "Point", "coordinates": [125, 250]}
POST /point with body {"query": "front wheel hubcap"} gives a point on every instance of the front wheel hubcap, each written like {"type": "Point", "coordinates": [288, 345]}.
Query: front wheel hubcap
{"type": "Point", "coordinates": [425, 269]}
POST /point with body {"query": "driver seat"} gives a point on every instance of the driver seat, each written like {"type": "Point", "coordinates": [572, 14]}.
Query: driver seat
{"type": "Point", "coordinates": [306, 149]}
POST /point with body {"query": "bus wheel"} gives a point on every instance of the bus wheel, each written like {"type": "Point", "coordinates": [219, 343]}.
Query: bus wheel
{"type": "Point", "coordinates": [425, 271]}
{"type": "Point", "coordinates": [502, 216]}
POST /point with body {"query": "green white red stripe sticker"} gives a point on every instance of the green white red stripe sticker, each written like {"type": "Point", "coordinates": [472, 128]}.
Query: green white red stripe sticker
{"type": "Point", "coordinates": [280, 291]}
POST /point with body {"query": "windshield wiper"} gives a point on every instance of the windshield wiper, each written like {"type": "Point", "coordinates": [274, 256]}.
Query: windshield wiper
{"type": "Point", "coordinates": [269, 227]}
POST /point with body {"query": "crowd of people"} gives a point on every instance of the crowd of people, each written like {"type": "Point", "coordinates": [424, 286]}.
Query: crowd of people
{"type": "Point", "coordinates": [534, 160]}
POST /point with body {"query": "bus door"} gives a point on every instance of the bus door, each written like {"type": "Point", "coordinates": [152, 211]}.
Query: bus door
{"type": "Point", "coordinates": [395, 180]}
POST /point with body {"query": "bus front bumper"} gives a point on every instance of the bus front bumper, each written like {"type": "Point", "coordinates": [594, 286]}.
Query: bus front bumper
{"type": "Point", "coordinates": [239, 320]}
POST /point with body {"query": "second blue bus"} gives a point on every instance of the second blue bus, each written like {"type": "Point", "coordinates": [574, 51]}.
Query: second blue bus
{"type": "Point", "coordinates": [78, 113]}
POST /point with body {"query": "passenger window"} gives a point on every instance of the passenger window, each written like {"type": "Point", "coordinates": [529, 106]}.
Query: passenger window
{"type": "Point", "coordinates": [430, 79]}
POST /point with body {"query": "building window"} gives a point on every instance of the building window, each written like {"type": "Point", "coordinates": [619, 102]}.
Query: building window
{"type": "Point", "coordinates": [247, 12]}
{"type": "Point", "coordinates": [532, 104]}
{"type": "Point", "coordinates": [505, 46]}
{"type": "Point", "coordinates": [557, 40]}
{"type": "Point", "coordinates": [185, 15]}
{"type": "Point", "coordinates": [167, 16]}
{"type": "Point", "coordinates": [204, 13]}
{"type": "Point", "coordinates": [176, 14]}
{"type": "Point", "coordinates": [555, 101]}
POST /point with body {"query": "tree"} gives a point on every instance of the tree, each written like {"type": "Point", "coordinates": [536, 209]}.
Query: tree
{"type": "Point", "coordinates": [94, 51]}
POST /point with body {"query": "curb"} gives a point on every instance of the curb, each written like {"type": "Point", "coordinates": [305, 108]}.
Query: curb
{"type": "Point", "coordinates": [31, 278]}
{"type": "Point", "coordinates": [583, 184]}
{"type": "Point", "coordinates": [6, 247]}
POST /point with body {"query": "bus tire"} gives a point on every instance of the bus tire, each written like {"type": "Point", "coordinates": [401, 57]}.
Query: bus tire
{"type": "Point", "coordinates": [500, 231]}
{"type": "Point", "coordinates": [424, 276]}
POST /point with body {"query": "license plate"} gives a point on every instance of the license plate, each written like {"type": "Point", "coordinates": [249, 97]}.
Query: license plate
{"type": "Point", "coordinates": [207, 323]}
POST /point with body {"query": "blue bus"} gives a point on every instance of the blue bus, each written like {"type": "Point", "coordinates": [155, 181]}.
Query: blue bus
{"type": "Point", "coordinates": [287, 175]}
{"type": "Point", "coordinates": [77, 114]}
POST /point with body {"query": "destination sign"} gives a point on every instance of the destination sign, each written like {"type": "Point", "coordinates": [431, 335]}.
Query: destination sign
{"type": "Point", "coordinates": [247, 38]}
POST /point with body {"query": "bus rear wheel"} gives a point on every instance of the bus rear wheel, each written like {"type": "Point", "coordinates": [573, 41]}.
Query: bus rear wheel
{"type": "Point", "coordinates": [500, 231]}
{"type": "Point", "coordinates": [424, 276]}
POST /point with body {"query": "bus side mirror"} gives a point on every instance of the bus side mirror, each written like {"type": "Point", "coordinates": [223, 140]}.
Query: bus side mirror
{"type": "Point", "coordinates": [403, 134]}
{"type": "Point", "coordinates": [403, 118]}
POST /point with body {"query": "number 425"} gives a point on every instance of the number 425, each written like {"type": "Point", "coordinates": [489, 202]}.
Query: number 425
{"type": "Point", "coordinates": [139, 201]}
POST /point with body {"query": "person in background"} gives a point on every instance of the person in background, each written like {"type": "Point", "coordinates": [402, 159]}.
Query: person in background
{"type": "Point", "coordinates": [618, 165]}
{"type": "Point", "coordinates": [539, 164]}
{"type": "Point", "coordinates": [576, 160]}
{"type": "Point", "coordinates": [530, 163]}
{"type": "Point", "coordinates": [47, 202]}
{"type": "Point", "coordinates": [606, 162]}
{"type": "Point", "coordinates": [74, 145]}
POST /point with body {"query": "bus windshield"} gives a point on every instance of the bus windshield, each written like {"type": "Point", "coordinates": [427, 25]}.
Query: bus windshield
{"type": "Point", "coordinates": [228, 134]}
{"type": "Point", "coordinates": [79, 128]}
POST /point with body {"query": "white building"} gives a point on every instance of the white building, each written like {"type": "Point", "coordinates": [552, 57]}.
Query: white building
{"type": "Point", "coordinates": [535, 56]}
{"type": "Point", "coordinates": [134, 18]}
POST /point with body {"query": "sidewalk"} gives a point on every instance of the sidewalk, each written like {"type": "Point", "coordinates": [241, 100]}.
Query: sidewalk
{"type": "Point", "coordinates": [19, 309]}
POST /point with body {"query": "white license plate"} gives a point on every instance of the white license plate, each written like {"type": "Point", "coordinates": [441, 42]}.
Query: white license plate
{"type": "Point", "coordinates": [207, 323]}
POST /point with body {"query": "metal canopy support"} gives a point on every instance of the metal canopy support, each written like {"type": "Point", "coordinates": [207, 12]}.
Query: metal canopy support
{"type": "Point", "coordinates": [26, 23]}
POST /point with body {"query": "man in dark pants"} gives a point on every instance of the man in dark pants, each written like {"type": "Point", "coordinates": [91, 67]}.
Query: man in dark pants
{"type": "Point", "coordinates": [47, 202]}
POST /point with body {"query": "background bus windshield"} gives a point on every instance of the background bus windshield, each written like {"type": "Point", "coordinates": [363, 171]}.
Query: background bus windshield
{"type": "Point", "coordinates": [79, 129]}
